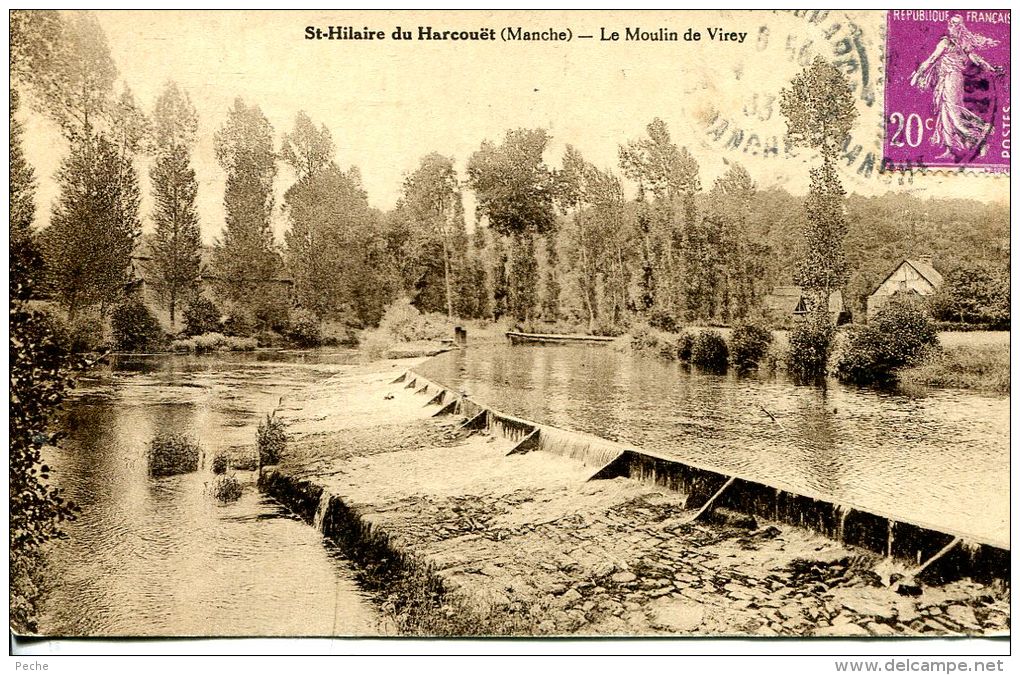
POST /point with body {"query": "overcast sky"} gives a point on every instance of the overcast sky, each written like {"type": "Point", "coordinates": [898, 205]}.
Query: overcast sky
{"type": "Point", "coordinates": [388, 103]}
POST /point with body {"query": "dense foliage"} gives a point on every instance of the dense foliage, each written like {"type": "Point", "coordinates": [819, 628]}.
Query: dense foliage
{"type": "Point", "coordinates": [271, 439]}
{"type": "Point", "coordinates": [40, 369]}
{"type": "Point", "coordinates": [898, 336]}
{"type": "Point", "coordinates": [201, 316]}
{"type": "Point", "coordinates": [748, 345]}
{"type": "Point", "coordinates": [709, 351]}
{"type": "Point", "coordinates": [172, 454]}
{"type": "Point", "coordinates": [810, 348]}
{"type": "Point", "coordinates": [135, 329]}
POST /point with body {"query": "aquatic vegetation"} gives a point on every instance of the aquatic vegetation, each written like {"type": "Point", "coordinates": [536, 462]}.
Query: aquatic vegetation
{"type": "Point", "coordinates": [271, 439]}
{"type": "Point", "coordinates": [172, 454]}
{"type": "Point", "coordinates": [227, 489]}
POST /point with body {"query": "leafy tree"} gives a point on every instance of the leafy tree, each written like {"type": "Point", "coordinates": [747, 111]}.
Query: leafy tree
{"type": "Point", "coordinates": [66, 63]}
{"type": "Point", "coordinates": [678, 248]}
{"type": "Point", "coordinates": [178, 239]}
{"type": "Point", "coordinates": [94, 226]}
{"type": "Point", "coordinates": [594, 199]}
{"type": "Point", "coordinates": [40, 370]}
{"type": "Point", "coordinates": [24, 261]}
{"type": "Point", "coordinates": [514, 188]}
{"type": "Point", "coordinates": [135, 329]}
{"type": "Point", "coordinates": [244, 258]}
{"type": "Point", "coordinates": [731, 200]}
{"type": "Point", "coordinates": [976, 293]}
{"type": "Point", "coordinates": [434, 205]}
{"type": "Point", "coordinates": [336, 248]}
{"type": "Point", "coordinates": [820, 112]}
{"type": "Point", "coordinates": [307, 149]}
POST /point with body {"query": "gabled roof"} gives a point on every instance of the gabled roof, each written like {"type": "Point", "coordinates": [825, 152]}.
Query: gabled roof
{"type": "Point", "coordinates": [925, 269]}
{"type": "Point", "coordinates": [788, 299]}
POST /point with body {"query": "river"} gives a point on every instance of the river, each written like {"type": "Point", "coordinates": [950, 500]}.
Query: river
{"type": "Point", "coordinates": [162, 557]}
{"type": "Point", "coordinates": [938, 457]}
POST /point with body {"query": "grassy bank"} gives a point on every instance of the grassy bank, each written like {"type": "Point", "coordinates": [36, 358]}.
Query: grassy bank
{"type": "Point", "coordinates": [983, 367]}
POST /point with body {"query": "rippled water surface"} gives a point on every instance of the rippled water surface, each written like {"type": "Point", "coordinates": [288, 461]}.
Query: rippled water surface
{"type": "Point", "coordinates": [162, 556]}
{"type": "Point", "coordinates": [939, 457]}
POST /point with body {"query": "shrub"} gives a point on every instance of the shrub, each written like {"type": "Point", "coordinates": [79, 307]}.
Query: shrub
{"type": "Point", "coordinates": [684, 345]}
{"type": "Point", "coordinates": [82, 335]}
{"type": "Point", "coordinates": [896, 337]}
{"type": "Point", "coordinates": [304, 328]}
{"type": "Point", "coordinates": [239, 322]}
{"type": "Point", "coordinates": [664, 321]}
{"type": "Point", "coordinates": [219, 464]}
{"type": "Point", "coordinates": [709, 351]}
{"type": "Point", "coordinates": [201, 316]}
{"type": "Point", "coordinates": [171, 454]}
{"type": "Point", "coordinates": [271, 439]}
{"type": "Point", "coordinates": [227, 489]}
{"type": "Point", "coordinates": [749, 344]}
{"type": "Point", "coordinates": [135, 329]}
{"type": "Point", "coordinates": [810, 346]}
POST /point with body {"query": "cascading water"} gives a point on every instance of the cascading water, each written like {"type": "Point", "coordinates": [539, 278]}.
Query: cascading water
{"type": "Point", "coordinates": [320, 510]}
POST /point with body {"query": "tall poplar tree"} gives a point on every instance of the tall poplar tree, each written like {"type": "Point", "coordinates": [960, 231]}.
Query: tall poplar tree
{"type": "Point", "coordinates": [244, 257]}
{"type": "Point", "coordinates": [176, 249]}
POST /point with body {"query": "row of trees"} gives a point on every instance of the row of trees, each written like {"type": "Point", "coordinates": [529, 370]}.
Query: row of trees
{"type": "Point", "coordinates": [550, 242]}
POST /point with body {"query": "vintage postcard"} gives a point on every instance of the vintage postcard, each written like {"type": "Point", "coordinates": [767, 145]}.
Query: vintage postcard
{"type": "Point", "coordinates": [522, 324]}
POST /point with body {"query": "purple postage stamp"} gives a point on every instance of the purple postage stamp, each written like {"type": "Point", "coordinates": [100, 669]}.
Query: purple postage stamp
{"type": "Point", "coordinates": [947, 90]}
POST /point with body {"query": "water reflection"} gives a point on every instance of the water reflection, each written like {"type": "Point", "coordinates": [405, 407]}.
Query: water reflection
{"type": "Point", "coordinates": [160, 557]}
{"type": "Point", "coordinates": [940, 458]}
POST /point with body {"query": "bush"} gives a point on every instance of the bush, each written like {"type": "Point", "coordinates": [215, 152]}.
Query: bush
{"type": "Point", "coordinates": [684, 345]}
{"type": "Point", "coordinates": [271, 439]}
{"type": "Point", "coordinates": [810, 346]}
{"type": "Point", "coordinates": [898, 336]}
{"type": "Point", "coordinates": [709, 351]}
{"type": "Point", "coordinates": [664, 321]}
{"type": "Point", "coordinates": [201, 316]}
{"type": "Point", "coordinates": [219, 464]}
{"type": "Point", "coordinates": [227, 489]}
{"type": "Point", "coordinates": [135, 329]}
{"type": "Point", "coordinates": [239, 322]}
{"type": "Point", "coordinates": [171, 454]}
{"type": "Point", "coordinates": [83, 335]}
{"type": "Point", "coordinates": [304, 329]}
{"type": "Point", "coordinates": [749, 344]}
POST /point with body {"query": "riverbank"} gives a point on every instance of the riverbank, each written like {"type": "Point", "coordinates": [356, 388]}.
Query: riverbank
{"type": "Point", "coordinates": [460, 538]}
{"type": "Point", "coordinates": [975, 360]}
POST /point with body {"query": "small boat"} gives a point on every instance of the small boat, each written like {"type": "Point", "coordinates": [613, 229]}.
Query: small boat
{"type": "Point", "coordinates": [517, 338]}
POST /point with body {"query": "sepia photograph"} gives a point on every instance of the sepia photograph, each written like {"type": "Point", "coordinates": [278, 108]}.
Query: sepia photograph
{"type": "Point", "coordinates": [520, 324]}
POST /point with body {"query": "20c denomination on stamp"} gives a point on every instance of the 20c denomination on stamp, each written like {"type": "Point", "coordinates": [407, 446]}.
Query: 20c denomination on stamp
{"type": "Point", "coordinates": [947, 90]}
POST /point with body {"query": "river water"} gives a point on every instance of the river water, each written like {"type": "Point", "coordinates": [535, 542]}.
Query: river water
{"type": "Point", "coordinates": [162, 557]}
{"type": "Point", "coordinates": [938, 457]}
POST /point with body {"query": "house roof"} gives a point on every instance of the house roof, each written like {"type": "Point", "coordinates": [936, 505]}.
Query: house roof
{"type": "Point", "coordinates": [787, 298]}
{"type": "Point", "coordinates": [922, 267]}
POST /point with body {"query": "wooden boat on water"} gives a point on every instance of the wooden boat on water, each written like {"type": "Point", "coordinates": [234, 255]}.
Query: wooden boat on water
{"type": "Point", "coordinates": [518, 338]}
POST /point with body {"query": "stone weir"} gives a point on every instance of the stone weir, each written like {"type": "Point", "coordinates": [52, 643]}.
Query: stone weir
{"type": "Point", "coordinates": [936, 554]}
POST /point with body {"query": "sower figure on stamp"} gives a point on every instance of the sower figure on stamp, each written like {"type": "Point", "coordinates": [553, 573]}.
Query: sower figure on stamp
{"type": "Point", "coordinates": [958, 129]}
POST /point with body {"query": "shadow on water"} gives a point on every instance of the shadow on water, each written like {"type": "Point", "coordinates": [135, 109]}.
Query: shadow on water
{"type": "Point", "coordinates": [939, 456]}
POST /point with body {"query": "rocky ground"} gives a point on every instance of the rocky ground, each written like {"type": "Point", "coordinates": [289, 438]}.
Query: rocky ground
{"type": "Point", "coordinates": [530, 535]}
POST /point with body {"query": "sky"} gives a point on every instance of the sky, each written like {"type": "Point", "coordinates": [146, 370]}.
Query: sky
{"type": "Point", "coordinates": [388, 103]}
